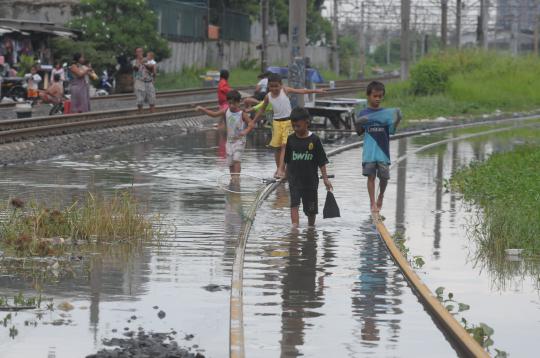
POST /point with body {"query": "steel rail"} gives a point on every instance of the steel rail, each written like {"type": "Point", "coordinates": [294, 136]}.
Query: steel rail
{"type": "Point", "coordinates": [202, 91]}
{"type": "Point", "coordinates": [20, 129]}
{"type": "Point", "coordinates": [461, 340]}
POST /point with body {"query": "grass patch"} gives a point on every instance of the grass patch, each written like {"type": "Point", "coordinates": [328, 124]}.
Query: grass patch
{"type": "Point", "coordinates": [190, 78]}
{"type": "Point", "coordinates": [35, 229]}
{"type": "Point", "coordinates": [467, 82]}
{"type": "Point", "coordinates": [507, 188]}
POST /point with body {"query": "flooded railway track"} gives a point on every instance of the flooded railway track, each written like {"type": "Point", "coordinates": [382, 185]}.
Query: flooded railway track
{"type": "Point", "coordinates": [22, 129]}
{"type": "Point", "coordinates": [458, 337]}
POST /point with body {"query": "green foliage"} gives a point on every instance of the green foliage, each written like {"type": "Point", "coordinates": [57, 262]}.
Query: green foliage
{"type": "Point", "coordinates": [118, 27]}
{"type": "Point", "coordinates": [25, 64]}
{"type": "Point", "coordinates": [470, 82]}
{"type": "Point", "coordinates": [429, 76]}
{"type": "Point", "coordinates": [348, 54]}
{"type": "Point", "coordinates": [64, 49]}
{"type": "Point", "coordinates": [507, 188]}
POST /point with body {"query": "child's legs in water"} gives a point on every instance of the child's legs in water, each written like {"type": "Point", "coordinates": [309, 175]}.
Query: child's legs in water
{"type": "Point", "coordinates": [373, 170]}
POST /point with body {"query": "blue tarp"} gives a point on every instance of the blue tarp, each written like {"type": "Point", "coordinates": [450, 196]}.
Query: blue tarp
{"type": "Point", "coordinates": [311, 73]}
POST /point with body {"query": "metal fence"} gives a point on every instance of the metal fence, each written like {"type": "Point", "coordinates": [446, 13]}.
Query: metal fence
{"type": "Point", "coordinates": [180, 21]}
{"type": "Point", "coordinates": [188, 21]}
{"type": "Point", "coordinates": [234, 26]}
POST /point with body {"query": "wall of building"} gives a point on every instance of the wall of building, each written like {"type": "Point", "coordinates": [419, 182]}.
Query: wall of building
{"type": "Point", "coordinates": [55, 11]}
{"type": "Point", "coordinates": [229, 54]}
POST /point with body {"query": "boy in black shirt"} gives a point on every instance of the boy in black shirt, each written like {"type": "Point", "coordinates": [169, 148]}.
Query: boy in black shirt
{"type": "Point", "coordinates": [304, 153]}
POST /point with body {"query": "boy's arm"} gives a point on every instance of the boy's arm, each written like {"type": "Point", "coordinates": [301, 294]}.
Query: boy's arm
{"type": "Point", "coordinates": [249, 122]}
{"type": "Point", "coordinates": [302, 90]}
{"type": "Point", "coordinates": [261, 110]}
{"type": "Point", "coordinates": [209, 112]}
{"type": "Point", "coordinates": [322, 160]}
{"type": "Point", "coordinates": [399, 116]}
{"type": "Point", "coordinates": [326, 181]}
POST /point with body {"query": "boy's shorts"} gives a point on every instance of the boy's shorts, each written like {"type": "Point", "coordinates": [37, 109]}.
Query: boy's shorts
{"type": "Point", "coordinates": [380, 169]}
{"type": "Point", "coordinates": [281, 129]}
{"type": "Point", "coordinates": [308, 197]}
{"type": "Point", "coordinates": [234, 151]}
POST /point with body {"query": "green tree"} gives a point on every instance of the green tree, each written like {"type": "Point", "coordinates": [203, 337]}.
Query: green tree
{"type": "Point", "coordinates": [114, 28]}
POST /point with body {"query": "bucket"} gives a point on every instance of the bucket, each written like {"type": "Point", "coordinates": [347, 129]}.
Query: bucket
{"type": "Point", "coordinates": [67, 107]}
{"type": "Point", "coordinates": [23, 114]}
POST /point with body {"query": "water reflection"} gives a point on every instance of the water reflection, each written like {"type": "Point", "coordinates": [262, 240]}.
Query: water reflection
{"type": "Point", "coordinates": [376, 293]}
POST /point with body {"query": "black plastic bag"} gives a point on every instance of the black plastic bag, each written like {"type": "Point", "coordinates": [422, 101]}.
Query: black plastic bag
{"type": "Point", "coordinates": [331, 209]}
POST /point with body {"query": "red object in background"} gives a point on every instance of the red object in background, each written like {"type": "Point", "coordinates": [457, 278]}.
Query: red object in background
{"type": "Point", "coordinates": [67, 106]}
{"type": "Point", "coordinates": [223, 89]}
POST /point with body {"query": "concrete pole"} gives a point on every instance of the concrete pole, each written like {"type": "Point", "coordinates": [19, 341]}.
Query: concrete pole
{"type": "Point", "coordinates": [387, 37]}
{"type": "Point", "coordinates": [404, 43]}
{"type": "Point", "coordinates": [264, 45]}
{"type": "Point", "coordinates": [362, 42]}
{"type": "Point", "coordinates": [335, 28]}
{"type": "Point", "coordinates": [297, 48]}
{"type": "Point", "coordinates": [483, 26]}
{"type": "Point", "coordinates": [459, 4]}
{"type": "Point", "coordinates": [514, 37]}
{"type": "Point", "coordinates": [444, 24]}
{"type": "Point", "coordinates": [536, 32]}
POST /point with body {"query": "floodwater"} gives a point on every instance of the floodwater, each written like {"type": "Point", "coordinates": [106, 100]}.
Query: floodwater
{"type": "Point", "coordinates": [332, 290]}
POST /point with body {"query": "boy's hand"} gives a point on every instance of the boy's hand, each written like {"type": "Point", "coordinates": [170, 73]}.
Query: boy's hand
{"type": "Point", "coordinates": [328, 185]}
{"type": "Point", "coordinates": [322, 90]}
{"type": "Point", "coordinates": [198, 109]}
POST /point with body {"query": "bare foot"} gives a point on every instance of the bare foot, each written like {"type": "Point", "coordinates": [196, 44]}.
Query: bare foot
{"type": "Point", "coordinates": [379, 202]}
{"type": "Point", "coordinates": [279, 175]}
{"type": "Point", "coordinates": [374, 209]}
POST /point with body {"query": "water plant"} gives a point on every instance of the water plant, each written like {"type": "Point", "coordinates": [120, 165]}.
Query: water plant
{"type": "Point", "coordinates": [416, 261]}
{"type": "Point", "coordinates": [36, 229]}
{"type": "Point", "coordinates": [507, 189]}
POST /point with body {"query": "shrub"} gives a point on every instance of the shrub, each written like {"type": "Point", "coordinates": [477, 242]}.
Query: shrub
{"type": "Point", "coordinates": [429, 76]}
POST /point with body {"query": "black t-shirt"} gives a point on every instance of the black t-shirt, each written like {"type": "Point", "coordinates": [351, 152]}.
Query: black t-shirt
{"type": "Point", "coordinates": [303, 156]}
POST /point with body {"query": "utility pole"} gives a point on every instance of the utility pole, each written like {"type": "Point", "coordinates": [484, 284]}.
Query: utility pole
{"type": "Point", "coordinates": [387, 38]}
{"type": "Point", "coordinates": [297, 48]}
{"type": "Point", "coordinates": [335, 23]}
{"type": "Point", "coordinates": [362, 41]}
{"type": "Point", "coordinates": [483, 24]}
{"type": "Point", "coordinates": [444, 24]}
{"type": "Point", "coordinates": [264, 45]}
{"type": "Point", "coordinates": [459, 4]}
{"type": "Point", "coordinates": [514, 38]}
{"type": "Point", "coordinates": [536, 31]}
{"type": "Point", "coordinates": [404, 43]}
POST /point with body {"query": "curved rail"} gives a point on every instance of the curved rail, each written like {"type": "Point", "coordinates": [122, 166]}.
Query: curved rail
{"type": "Point", "coordinates": [460, 338]}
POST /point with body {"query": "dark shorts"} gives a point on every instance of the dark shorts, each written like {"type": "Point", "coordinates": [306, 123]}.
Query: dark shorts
{"type": "Point", "coordinates": [382, 170]}
{"type": "Point", "coordinates": [309, 198]}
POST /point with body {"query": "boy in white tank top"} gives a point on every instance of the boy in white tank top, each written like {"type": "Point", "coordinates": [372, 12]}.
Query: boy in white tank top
{"type": "Point", "coordinates": [237, 123]}
{"type": "Point", "coordinates": [281, 125]}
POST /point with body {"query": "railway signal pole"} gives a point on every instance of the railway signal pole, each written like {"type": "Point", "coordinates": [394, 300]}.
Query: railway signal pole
{"type": "Point", "coordinates": [297, 48]}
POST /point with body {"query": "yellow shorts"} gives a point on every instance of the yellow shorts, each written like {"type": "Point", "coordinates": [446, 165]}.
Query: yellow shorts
{"type": "Point", "coordinates": [280, 131]}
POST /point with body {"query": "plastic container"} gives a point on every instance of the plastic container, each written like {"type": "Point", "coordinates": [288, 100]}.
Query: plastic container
{"type": "Point", "coordinates": [67, 107]}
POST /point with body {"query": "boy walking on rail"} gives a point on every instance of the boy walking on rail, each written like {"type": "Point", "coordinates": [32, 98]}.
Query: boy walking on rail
{"type": "Point", "coordinates": [237, 123]}
{"type": "Point", "coordinates": [377, 124]}
{"type": "Point", "coordinates": [304, 154]}
{"type": "Point", "coordinates": [281, 125]}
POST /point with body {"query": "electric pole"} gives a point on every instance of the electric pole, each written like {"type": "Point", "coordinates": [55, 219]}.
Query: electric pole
{"type": "Point", "coordinates": [514, 38]}
{"type": "Point", "coordinates": [404, 43]}
{"type": "Point", "coordinates": [444, 24]}
{"type": "Point", "coordinates": [335, 27]}
{"type": "Point", "coordinates": [264, 45]}
{"type": "Point", "coordinates": [297, 48]}
{"type": "Point", "coordinates": [362, 42]}
{"type": "Point", "coordinates": [483, 24]}
{"type": "Point", "coordinates": [459, 4]}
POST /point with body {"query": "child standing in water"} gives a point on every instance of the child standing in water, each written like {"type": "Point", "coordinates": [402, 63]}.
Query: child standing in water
{"type": "Point", "coordinates": [304, 155]}
{"type": "Point", "coordinates": [237, 123]}
{"type": "Point", "coordinates": [281, 125]}
{"type": "Point", "coordinates": [377, 124]}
